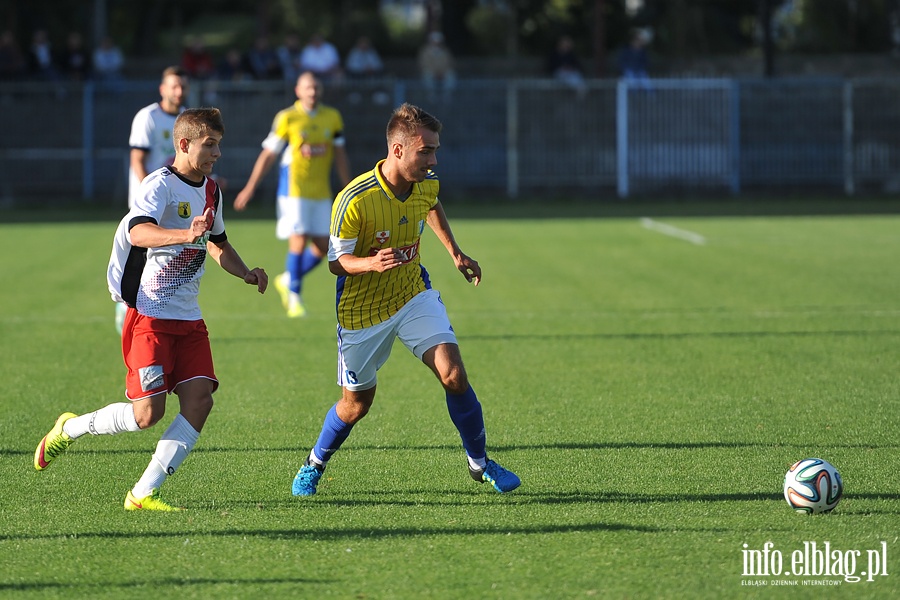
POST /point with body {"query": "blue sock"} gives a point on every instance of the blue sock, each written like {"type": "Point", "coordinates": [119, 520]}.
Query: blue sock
{"type": "Point", "coordinates": [292, 266]}
{"type": "Point", "coordinates": [308, 261]}
{"type": "Point", "coordinates": [334, 432]}
{"type": "Point", "coordinates": [465, 412]}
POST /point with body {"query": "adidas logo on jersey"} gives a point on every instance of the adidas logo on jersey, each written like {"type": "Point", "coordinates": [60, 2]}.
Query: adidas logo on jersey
{"type": "Point", "coordinates": [403, 220]}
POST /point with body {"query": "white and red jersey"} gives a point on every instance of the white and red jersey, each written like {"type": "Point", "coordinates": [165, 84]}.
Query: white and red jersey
{"type": "Point", "coordinates": [164, 282]}
{"type": "Point", "coordinates": [151, 131]}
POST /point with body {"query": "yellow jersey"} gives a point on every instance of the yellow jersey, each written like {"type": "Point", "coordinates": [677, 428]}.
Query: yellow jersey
{"type": "Point", "coordinates": [368, 212]}
{"type": "Point", "coordinates": [310, 138]}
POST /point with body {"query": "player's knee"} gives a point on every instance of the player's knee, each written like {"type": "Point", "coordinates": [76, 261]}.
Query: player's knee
{"type": "Point", "coordinates": [204, 405]}
{"type": "Point", "coordinates": [455, 380]}
{"type": "Point", "coordinates": [353, 407]}
{"type": "Point", "coordinates": [356, 411]}
{"type": "Point", "coordinates": [148, 416]}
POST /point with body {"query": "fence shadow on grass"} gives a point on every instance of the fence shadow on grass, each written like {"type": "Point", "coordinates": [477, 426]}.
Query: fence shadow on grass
{"type": "Point", "coordinates": [523, 497]}
{"type": "Point", "coordinates": [550, 446]}
{"type": "Point", "coordinates": [185, 584]}
{"type": "Point", "coordinates": [684, 335]}
{"type": "Point", "coordinates": [333, 534]}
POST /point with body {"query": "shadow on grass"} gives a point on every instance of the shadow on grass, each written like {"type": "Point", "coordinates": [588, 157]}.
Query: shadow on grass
{"type": "Point", "coordinates": [412, 498]}
{"type": "Point", "coordinates": [154, 584]}
{"type": "Point", "coordinates": [302, 450]}
{"type": "Point", "coordinates": [685, 335]}
{"type": "Point", "coordinates": [620, 336]}
{"type": "Point", "coordinates": [332, 534]}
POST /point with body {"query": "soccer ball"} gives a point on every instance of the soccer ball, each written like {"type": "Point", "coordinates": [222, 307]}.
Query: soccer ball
{"type": "Point", "coordinates": [812, 485]}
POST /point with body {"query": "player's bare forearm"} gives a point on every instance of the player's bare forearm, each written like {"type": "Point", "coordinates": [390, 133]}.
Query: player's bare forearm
{"type": "Point", "coordinates": [137, 159]}
{"type": "Point", "coordinates": [437, 220]}
{"type": "Point", "coordinates": [229, 259]}
{"type": "Point", "coordinates": [342, 164]}
{"type": "Point", "coordinates": [263, 163]}
{"type": "Point", "coordinates": [150, 235]}
{"type": "Point", "coordinates": [384, 260]}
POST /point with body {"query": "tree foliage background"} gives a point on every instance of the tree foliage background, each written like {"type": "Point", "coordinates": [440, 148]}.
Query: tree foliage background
{"type": "Point", "coordinates": [681, 28]}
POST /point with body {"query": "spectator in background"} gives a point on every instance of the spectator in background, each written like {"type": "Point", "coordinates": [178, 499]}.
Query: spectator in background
{"type": "Point", "coordinates": [437, 67]}
{"type": "Point", "coordinates": [232, 67]}
{"type": "Point", "coordinates": [263, 60]}
{"type": "Point", "coordinates": [75, 62]}
{"type": "Point", "coordinates": [108, 61]}
{"type": "Point", "coordinates": [196, 60]}
{"type": "Point", "coordinates": [42, 62]}
{"type": "Point", "coordinates": [363, 60]}
{"type": "Point", "coordinates": [633, 60]}
{"type": "Point", "coordinates": [12, 62]}
{"type": "Point", "coordinates": [564, 65]}
{"type": "Point", "coordinates": [289, 56]}
{"type": "Point", "coordinates": [321, 58]}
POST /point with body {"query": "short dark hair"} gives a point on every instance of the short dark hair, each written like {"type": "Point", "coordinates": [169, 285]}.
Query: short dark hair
{"type": "Point", "coordinates": [177, 71]}
{"type": "Point", "coordinates": [195, 123]}
{"type": "Point", "coordinates": [406, 120]}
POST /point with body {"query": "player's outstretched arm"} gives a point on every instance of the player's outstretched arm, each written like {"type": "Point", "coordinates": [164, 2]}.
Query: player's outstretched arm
{"type": "Point", "coordinates": [437, 220]}
{"type": "Point", "coordinates": [384, 260]}
{"type": "Point", "coordinates": [230, 260]}
{"type": "Point", "coordinates": [151, 235]}
{"type": "Point", "coordinates": [263, 163]}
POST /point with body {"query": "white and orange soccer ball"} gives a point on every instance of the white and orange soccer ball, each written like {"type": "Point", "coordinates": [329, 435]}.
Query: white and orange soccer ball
{"type": "Point", "coordinates": [813, 485]}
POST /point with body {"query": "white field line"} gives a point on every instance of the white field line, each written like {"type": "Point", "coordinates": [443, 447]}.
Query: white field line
{"type": "Point", "coordinates": [671, 230]}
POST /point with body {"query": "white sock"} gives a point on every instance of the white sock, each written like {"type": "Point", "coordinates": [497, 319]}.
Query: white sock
{"type": "Point", "coordinates": [477, 463]}
{"type": "Point", "coordinates": [174, 446]}
{"type": "Point", "coordinates": [315, 460]}
{"type": "Point", "coordinates": [109, 420]}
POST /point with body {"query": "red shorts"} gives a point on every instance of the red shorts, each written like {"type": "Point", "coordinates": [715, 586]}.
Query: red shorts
{"type": "Point", "coordinates": [161, 353]}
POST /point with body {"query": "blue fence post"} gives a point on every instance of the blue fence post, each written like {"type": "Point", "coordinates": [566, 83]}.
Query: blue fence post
{"type": "Point", "coordinates": [622, 138]}
{"type": "Point", "coordinates": [87, 141]}
{"type": "Point", "coordinates": [512, 139]}
{"type": "Point", "coordinates": [399, 92]}
{"type": "Point", "coordinates": [849, 181]}
{"type": "Point", "coordinates": [735, 141]}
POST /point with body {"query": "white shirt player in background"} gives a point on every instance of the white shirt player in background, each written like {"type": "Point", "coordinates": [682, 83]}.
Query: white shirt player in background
{"type": "Point", "coordinates": [156, 264]}
{"type": "Point", "coordinates": [151, 130]}
{"type": "Point", "coordinates": [151, 140]}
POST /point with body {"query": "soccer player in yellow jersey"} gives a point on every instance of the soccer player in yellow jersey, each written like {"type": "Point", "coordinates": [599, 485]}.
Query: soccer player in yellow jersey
{"type": "Point", "coordinates": [310, 138]}
{"type": "Point", "coordinates": [383, 293]}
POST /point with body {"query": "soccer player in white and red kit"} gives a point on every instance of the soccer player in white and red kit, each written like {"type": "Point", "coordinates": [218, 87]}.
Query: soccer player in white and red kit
{"type": "Point", "coordinates": [156, 264]}
{"type": "Point", "coordinates": [151, 140]}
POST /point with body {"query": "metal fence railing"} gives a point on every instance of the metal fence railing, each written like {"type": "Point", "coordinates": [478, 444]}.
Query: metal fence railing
{"type": "Point", "coordinates": [69, 142]}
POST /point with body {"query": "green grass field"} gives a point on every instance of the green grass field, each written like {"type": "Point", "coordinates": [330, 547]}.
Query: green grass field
{"type": "Point", "coordinates": [649, 385]}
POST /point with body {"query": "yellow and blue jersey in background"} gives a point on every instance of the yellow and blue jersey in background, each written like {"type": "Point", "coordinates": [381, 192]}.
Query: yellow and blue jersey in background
{"type": "Point", "coordinates": [367, 211]}
{"type": "Point", "coordinates": [310, 140]}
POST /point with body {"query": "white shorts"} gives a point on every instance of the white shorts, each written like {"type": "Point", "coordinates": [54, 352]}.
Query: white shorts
{"type": "Point", "coordinates": [421, 325]}
{"type": "Point", "coordinates": [302, 216]}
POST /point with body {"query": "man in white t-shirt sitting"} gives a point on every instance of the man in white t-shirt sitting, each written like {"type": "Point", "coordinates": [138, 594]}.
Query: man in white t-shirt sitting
{"type": "Point", "coordinates": [321, 58]}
